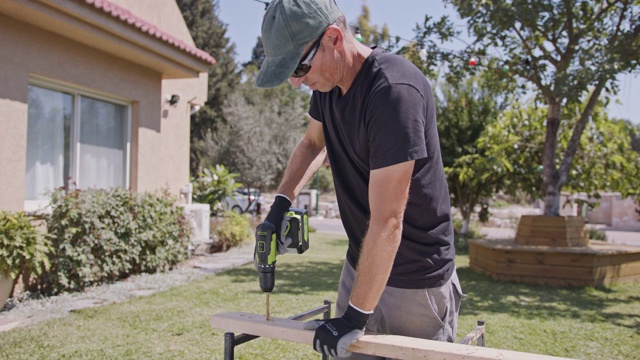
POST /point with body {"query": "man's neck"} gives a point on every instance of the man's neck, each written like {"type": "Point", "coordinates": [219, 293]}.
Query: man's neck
{"type": "Point", "coordinates": [355, 56]}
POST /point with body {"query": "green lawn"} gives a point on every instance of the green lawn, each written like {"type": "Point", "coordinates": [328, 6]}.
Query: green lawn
{"type": "Point", "coordinates": [580, 323]}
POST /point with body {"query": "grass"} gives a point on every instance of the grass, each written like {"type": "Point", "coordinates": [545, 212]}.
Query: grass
{"type": "Point", "coordinates": [581, 323]}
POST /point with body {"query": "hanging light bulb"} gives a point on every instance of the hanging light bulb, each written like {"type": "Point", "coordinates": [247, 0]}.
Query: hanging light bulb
{"type": "Point", "coordinates": [473, 61]}
{"type": "Point", "coordinates": [423, 54]}
{"type": "Point", "coordinates": [358, 35]}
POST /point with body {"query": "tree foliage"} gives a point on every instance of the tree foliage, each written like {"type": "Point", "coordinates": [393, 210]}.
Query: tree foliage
{"type": "Point", "coordinates": [213, 185]}
{"type": "Point", "coordinates": [568, 52]}
{"type": "Point", "coordinates": [264, 126]}
{"type": "Point", "coordinates": [209, 34]}
{"type": "Point", "coordinates": [372, 35]}
{"type": "Point", "coordinates": [604, 161]}
{"type": "Point", "coordinates": [257, 55]}
{"type": "Point", "coordinates": [464, 110]}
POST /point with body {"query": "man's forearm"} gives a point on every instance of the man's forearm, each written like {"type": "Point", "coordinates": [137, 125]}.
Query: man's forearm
{"type": "Point", "coordinates": [388, 193]}
{"type": "Point", "coordinates": [304, 162]}
{"type": "Point", "coordinates": [374, 265]}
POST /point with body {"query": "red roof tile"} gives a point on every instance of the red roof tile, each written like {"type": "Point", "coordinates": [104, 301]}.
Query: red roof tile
{"type": "Point", "coordinates": [146, 27]}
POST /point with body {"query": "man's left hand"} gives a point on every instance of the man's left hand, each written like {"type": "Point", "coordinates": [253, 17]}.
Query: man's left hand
{"type": "Point", "coordinates": [334, 336]}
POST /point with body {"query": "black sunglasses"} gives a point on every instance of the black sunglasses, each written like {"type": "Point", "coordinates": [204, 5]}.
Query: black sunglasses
{"type": "Point", "coordinates": [304, 66]}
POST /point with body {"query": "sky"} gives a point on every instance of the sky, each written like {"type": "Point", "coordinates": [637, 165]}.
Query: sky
{"type": "Point", "coordinates": [244, 19]}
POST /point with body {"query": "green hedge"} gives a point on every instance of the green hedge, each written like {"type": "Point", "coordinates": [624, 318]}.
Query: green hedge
{"type": "Point", "coordinates": [22, 246]}
{"type": "Point", "coordinates": [104, 235]}
{"type": "Point", "coordinates": [232, 231]}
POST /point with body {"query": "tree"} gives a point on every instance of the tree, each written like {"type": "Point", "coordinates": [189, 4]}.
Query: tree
{"type": "Point", "coordinates": [463, 111]}
{"type": "Point", "coordinates": [635, 140]}
{"type": "Point", "coordinates": [568, 52]}
{"type": "Point", "coordinates": [264, 126]}
{"type": "Point", "coordinates": [371, 34]}
{"type": "Point", "coordinates": [603, 162]}
{"type": "Point", "coordinates": [257, 55]}
{"type": "Point", "coordinates": [208, 33]}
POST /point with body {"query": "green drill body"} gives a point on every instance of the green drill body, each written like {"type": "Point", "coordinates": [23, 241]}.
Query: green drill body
{"type": "Point", "coordinates": [295, 236]}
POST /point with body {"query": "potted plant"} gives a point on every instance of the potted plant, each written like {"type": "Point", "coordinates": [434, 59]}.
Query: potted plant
{"type": "Point", "coordinates": [22, 248]}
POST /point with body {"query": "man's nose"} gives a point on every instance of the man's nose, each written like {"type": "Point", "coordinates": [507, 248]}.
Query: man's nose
{"type": "Point", "coordinates": [296, 81]}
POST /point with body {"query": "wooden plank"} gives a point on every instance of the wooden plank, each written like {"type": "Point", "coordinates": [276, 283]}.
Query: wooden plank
{"type": "Point", "coordinates": [473, 335]}
{"type": "Point", "coordinates": [570, 272]}
{"type": "Point", "coordinates": [398, 347]}
{"type": "Point", "coordinates": [551, 221]}
{"type": "Point", "coordinates": [545, 281]}
{"type": "Point", "coordinates": [576, 232]}
{"type": "Point", "coordinates": [620, 270]}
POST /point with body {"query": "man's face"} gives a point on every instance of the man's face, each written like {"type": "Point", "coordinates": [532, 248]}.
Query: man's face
{"type": "Point", "coordinates": [316, 61]}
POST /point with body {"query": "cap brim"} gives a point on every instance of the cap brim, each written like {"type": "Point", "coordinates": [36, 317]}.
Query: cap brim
{"type": "Point", "coordinates": [276, 70]}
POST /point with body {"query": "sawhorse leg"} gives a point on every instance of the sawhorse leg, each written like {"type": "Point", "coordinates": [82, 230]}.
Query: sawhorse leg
{"type": "Point", "coordinates": [231, 340]}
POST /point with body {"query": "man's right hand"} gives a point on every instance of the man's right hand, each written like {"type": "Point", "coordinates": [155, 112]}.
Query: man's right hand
{"type": "Point", "coordinates": [278, 209]}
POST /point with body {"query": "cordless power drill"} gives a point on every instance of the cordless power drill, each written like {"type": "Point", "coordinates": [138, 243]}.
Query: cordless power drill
{"type": "Point", "coordinates": [294, 239]}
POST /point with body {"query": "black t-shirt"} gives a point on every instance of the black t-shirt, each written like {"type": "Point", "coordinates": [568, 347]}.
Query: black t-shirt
{"type": "Point", "coordinates": [388, 117]}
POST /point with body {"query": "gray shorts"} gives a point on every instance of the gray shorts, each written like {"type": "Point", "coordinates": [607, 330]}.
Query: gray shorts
{"type": "Point", "coordinates": [430, 313]}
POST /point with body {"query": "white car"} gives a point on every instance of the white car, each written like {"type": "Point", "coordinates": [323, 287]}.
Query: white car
{"type": "Point", "coordinates": [244, 200]}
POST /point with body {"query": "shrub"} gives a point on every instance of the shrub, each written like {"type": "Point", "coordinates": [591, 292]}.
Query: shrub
{"type": "Point", "coordinates": [213, 185]}
{"type": "Point", "coordinates": [595, 234]}
{"type": "Point", "coordinates": [461, 241]}
{"type": "Point", "coordinates": [322, 180]}
{"type": "Point", "coordinates": [232, 230]}
{"type": "Point", "coordinates": [22, 246]}
{"type": "Point", "coordinates": [105, 235]}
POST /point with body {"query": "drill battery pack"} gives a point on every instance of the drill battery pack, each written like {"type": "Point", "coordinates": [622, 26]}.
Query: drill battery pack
{"type": "Point", "coordinates": [297, 230]}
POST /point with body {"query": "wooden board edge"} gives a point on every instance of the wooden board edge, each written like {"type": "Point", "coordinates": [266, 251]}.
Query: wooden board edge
{"type": "Point", "coordinates": [400, 347]}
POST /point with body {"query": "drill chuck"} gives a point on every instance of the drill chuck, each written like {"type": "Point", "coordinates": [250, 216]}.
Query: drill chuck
{"type": "Point", "coordinates": [267, 281]}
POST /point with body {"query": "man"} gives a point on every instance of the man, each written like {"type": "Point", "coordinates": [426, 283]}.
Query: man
{"type": "Point", "coordinates": [373, 114]}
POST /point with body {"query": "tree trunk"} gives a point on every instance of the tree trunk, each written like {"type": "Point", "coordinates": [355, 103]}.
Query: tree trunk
{"type": "Point", "coordinates": [465, 226]}
{"type": "Point", "coordinates": [551, 179]}
{"type": "Point", "coordinates": [555, 178]}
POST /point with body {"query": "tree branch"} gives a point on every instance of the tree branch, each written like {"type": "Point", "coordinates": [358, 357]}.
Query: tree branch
{"type": "Point", "coordinates": [574, 142]}
{"type": "Point", "coordinates": [534, 78]}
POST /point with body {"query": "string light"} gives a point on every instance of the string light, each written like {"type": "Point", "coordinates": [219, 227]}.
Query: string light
{"type": "Point", "coordinates": [357, 35]}
{"type": "Point", "coordinates": [423, 54]}
{"type": "Point", "coordinates": [472, 62]}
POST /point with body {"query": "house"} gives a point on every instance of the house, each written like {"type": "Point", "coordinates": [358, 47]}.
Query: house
{"type": "Point", "coordinates": [95, 94]}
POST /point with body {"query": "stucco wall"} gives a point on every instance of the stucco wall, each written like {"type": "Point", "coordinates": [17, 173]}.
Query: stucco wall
{"type": "Point", "coordinates": [160, 133]}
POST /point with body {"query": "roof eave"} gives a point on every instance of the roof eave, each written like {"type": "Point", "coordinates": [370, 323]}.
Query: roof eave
{"type": "Point", "coordinates": [96, 28]}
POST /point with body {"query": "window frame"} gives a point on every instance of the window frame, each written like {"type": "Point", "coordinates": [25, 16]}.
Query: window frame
{"type": "Point", "coordinates": [74, 152]}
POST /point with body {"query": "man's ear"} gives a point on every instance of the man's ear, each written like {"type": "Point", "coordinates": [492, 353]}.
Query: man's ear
{"type": "Point", "coordinates": [335, 36]}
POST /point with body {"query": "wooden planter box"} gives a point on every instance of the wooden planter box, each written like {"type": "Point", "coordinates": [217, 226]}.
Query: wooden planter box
{"type": "Point", "coordinates": [599, 264]}
{"type": "Point", "coordinates": [557, 231]}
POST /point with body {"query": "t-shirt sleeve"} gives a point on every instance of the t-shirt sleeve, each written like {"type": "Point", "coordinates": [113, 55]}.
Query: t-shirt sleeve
{"type": "Point", "coordinates": [396, 116]}
{"type": "Point", "coordinates": [315, 110]}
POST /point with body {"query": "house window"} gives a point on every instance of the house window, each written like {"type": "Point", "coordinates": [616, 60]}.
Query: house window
{"type": "Point", "coordinates": [77, 139]}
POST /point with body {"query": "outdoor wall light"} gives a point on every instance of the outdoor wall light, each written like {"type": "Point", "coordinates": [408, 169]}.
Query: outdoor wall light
{"type": "Point", "coordinates": [195, 109]}
{"type": "Point", "coordinates": [173, 99]}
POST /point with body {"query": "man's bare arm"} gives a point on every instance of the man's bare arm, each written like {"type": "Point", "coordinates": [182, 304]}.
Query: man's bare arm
{"type": "Point", "coordinates": [304, 162]}
{"type": "Point", "coordinates": [388, 195]}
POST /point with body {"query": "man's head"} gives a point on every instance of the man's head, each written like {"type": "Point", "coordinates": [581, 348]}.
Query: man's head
{"type": "Point", "coordinates": [288, 27]}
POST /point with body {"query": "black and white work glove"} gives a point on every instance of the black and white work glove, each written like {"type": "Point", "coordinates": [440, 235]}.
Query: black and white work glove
{"type": "Point", "coordinates": [334, 336]}
{"type": "Point", "coordinates": [278, 209]}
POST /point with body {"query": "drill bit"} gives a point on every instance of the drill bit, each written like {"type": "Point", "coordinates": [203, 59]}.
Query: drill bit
{"type": "Point", "coordinates": [268, 310]}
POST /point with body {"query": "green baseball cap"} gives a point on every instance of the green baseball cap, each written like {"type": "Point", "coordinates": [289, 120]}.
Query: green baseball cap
{"type": "Point", "coordinates": [288, 26]}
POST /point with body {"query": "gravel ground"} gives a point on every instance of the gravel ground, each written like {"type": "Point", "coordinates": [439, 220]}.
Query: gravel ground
{"type": "Point", "coordinates": [27, 308]}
